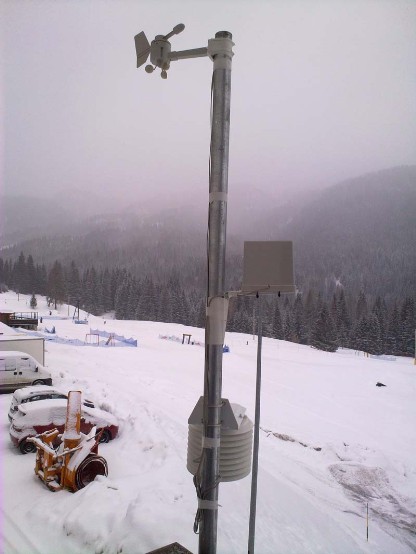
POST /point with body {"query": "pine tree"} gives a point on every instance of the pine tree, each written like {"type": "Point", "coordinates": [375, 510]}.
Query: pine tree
{"type": "Point", "coordinates": [289, 326]}
{"type": "Point", "coordinates": [299, 320]}
{"type": "Point", "coordinates": [393, 332]}
{"type": "Point", "coordinates": [133, 298]}
{"type": "Point", "coordinates": [194, 304]}
{"type": "Point", "coordinates": [121, 299]}
{"type": "Point", "coordinates": [30, 275]}
{"type": "Point", "coordinates": [373, 335]}
{"type": "Point", "coordinates": [323, 331]}
{"type": "Point", "coordinates": [148, 305]}
{"type": "Point", "coordinates": [380, 311]}
{"type": "Point", "coordinates": [7, 273]}
{"type": "Point", "coordinates": [360, 334]}
{"type": "Point", "coordinates": [93, 294]}
{"type": "Point", "coordinates": [19, 270]}
{"type": "Point", "coordinates": [164, 312]}
{"type": "Point", "coordinates": [177, 299]}
{"type": "Point", "coordinates": [334, 307]}
{"type": "Point", "coordinates": [106, 300]}
{"type": "Point", "coordinates": [310, 312]}
{"type": "Point", "coordinates": [232, 310]}
{"type": "Point", "coordinates": [343, 321]}
{"type": "Point", "coordinates": [33, 302]}
{"type": "Point", "coordinates": [74, 284]}
{"type": "Point", "coordinates": [185, 308]}
{"type": "Point", "coordinates": [362, 306]}
{"type": "Point", "coordinates": [116, 279]}
{"type": "Point", "coordinates": [201, 316]}
{"type": "Point", "coordinates": [42, 279]}
{"type": "Point", "coordinates": [277, 323]}
{"type": "Point", "coordinates": [241, 322]}
{"type": "Point", "coordinates": [56, 284]}
{"type": "Point", "coordinates": [407, 327]}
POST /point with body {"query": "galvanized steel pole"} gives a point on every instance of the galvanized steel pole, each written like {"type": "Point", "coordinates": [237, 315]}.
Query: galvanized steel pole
{"type": "Point", "coordinates": [255, 467]}
{"type": "Point", "coordinates": [220, 51]}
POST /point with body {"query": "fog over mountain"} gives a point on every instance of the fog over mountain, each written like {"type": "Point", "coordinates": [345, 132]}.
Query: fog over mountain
{"type": "Point", "coordinates": [108, 165]}
{"type": "Point", "coordinates": [321, 91]}
{"type": "Point", "coordinates": [360, 233]}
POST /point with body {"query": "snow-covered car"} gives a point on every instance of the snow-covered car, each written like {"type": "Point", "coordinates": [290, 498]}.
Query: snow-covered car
{"type": "Point", "coordinates": [35, 393]}
{"type": "Point", "coordinates": [18, 369]}
{"type": "Point", "coordinates": [34, 418]}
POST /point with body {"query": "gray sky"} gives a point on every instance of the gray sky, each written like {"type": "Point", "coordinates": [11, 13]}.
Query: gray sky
{"type": "Point", "coordinates": [321, 91]}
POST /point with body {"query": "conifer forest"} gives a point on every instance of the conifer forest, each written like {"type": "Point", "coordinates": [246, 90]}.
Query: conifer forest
{"type": "Point", "coordinates": [340, 321]}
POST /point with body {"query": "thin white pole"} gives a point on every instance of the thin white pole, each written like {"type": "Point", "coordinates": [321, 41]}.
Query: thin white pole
{"type": "Point", "coordinates": [254, 471]}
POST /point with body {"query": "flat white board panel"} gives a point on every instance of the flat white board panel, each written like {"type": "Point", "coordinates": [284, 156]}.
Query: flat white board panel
{"type": "Point", "coordinates": [268, 267]}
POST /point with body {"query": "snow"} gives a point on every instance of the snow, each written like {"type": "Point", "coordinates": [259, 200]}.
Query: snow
{"type": "Point", "coordinates": [5, 329]}
{"type": "Point", "coordinates": [331, 441]}
{"type": "Point", "coordinates": [73, 415]}
{"type": "Point", "coordinates": [85, 447]}
{"type": "Point", "coordinates": [26, 392]}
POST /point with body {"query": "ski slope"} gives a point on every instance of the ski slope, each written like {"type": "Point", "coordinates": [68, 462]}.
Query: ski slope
{"type": "Point", "coordinates": [331, 441]}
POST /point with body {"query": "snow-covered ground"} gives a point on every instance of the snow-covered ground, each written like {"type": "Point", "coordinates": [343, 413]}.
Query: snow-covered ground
{"type": "Point", "coordinates": [350, 443]}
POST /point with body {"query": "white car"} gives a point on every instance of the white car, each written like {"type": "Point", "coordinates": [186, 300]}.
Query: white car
{"type": "Point", "coordinates": [18, 369]}
{"type": "Point", "coordinates": [34, 418]}
{"type": "Point", "coordinates": [35, 393]}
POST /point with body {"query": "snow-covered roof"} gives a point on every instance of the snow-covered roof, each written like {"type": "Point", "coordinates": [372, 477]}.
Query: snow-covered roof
{"type": "Point", "coordinates": [98, 416]}
{"type": "Point", "coordinates": [14, 354]}
{"type": "Point", "coordinates": [54, 410]}
{"type": "Point", "coordinates": [6, 330]}
{"type": "Point", "coordinates": [25, 392]}
{"type": "Point", "coordinates": [44, 406]}
{"type": "Point", "coordinates": [18, 337]}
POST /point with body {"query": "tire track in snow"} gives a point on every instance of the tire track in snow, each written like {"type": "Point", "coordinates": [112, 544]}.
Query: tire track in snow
{"type": "Point", "coordinates": [14, 540]}
{"type": "Point", "coordinates": [371, 485]}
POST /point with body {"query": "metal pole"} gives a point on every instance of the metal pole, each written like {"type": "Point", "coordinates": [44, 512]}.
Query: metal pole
{"type": "Point", "coordinates": [221, 53]}
{"type": "Point", "coordinates": [254, 472]}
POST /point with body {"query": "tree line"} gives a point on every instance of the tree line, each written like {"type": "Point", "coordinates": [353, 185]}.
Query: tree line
{"type": "Point", "coordinates": [346, 321]}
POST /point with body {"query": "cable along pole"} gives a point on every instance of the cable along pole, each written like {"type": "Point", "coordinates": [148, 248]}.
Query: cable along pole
{"type": "Point", "coordinates": [220, 52]}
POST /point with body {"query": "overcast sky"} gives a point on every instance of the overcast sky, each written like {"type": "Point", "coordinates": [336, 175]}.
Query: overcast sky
{"type": "Point", "coordinates": [321, 91]}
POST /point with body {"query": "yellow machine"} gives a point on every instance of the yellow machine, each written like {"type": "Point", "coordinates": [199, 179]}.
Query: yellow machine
{"type": "Point", "coordinates": [76, 462]}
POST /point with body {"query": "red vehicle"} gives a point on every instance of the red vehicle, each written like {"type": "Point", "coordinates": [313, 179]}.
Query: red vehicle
{"type": "Point", "coordinates": [37, 417]}
{"type": "Point", "coordinates": [36, 393]}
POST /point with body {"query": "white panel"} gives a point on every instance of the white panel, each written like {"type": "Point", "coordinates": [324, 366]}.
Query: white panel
{"type": "Point", "coordinates": [268, 267]}
{"type": "Point", "coordinates": [35, 346]}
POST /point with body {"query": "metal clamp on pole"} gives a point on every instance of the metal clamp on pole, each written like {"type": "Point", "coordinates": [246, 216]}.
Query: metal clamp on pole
{"type": "Point", "coordinates": [220, 50]}
{"type": "Point", "coordinates": [217, 313]}
{"type": "Point", "coordinates": [208, 442]}
{"type": "Point", "coordinates": [207, 504]}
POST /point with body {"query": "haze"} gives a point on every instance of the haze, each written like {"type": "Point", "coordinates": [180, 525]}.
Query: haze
{"type": "Point", "coordinates": [321, 91]}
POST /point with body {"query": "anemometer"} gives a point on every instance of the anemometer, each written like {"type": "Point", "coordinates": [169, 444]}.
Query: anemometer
{"type": "Point", "coordinates": [268, 268]}
{"type": "Point", "coordinates": [161, 55]}
{"type": "Point", "coordinates": [219, 50]}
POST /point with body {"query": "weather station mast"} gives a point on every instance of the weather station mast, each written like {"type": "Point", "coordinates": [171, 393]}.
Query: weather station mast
{"type": "Point", "coordinates": [219, 50]}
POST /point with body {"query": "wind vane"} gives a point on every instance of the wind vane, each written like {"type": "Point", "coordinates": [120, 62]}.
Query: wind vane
{"type": "Point", "coordinates": [161, 54]}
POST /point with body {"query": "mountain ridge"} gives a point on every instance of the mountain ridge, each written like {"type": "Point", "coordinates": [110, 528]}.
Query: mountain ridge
{"type": "Point", "coordinates": [361, 231]}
